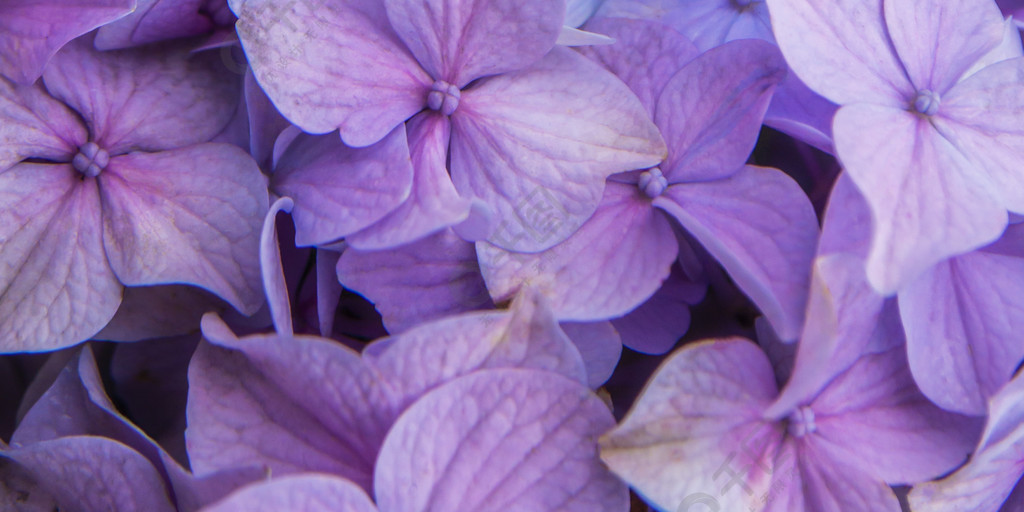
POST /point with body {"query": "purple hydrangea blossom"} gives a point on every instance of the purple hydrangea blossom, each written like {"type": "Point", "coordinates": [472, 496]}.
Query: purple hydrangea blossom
{"type": "Point", "coordinates": [928, 125]}
{"type": "Point", "coordinates": [108, 180]}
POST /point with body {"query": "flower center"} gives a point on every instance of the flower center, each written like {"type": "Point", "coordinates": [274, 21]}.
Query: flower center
{"type": "Point", "coordinates": [444, 97]}
{"type": "Point", "coordinates": [652, 182]}
{"type": "Point", "coordinates": [91, 160]}
{"type": "Point", "coordinates": [927, 102]}
{"type": "Point", "coordinates": [801, 422]}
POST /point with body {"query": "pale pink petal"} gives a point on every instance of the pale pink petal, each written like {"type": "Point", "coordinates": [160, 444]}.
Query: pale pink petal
{"type": "Point", "coordinates": [191, 215]}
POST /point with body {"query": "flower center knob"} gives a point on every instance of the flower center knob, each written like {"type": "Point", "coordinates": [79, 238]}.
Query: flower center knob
{"type": "Point", "coordinates": [652, 182]}
{"type": "Point", "coordinates": [90, 160]}
{"type": "Point", "coordinates": [927, 102]}
{"type": "Point", "coordinates": [801, 422]}
{"type": "Point", "coordinates": [444, 97]}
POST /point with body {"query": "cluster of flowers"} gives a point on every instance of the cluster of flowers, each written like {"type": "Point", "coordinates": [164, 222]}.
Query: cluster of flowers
{"type": "Point", "coordinates": [411, 255]}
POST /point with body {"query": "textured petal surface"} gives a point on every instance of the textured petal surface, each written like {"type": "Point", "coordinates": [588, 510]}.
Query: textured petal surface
{"type": "Point", "coordinates": [433, 204]}
{"type": "Point", "coordinates": [333, 65]}
{"type": "Point", "coordinates": [35, 125]}
{"type": "Point", "coordinates": [646, 55]}
{"type": "Point", "coordinates": [425, 280]}
{"type": "Point", "coordinates": [538, 151]}
{"type": "Point", "coordinates": [31, 31]}
{"type": "Point", "coordinates": [927, 199]}
{"type": "Point", "coordinates": [516, 440]}
{"type": "Point", "coordinates": [459, 41]}
{"type": "Point", "coordinates": [309, 492]}
{"type": "Point", "coordinates": [874, 417]}
{"type": "Point", "coordinates": [191, 215]}
{"type": "Point", "coordinates": [93, 473]}
{"type": "Point", "coordinates": [760, 226]}
{"type": "Point", "coordinates": [339, 190]}
{"type": "Point", "coordinates": [938, 40]}
{"type": "Point", "coordinates": [963, 320]}
{"type": "Point", "coordinates": [56, 286]}
{"type": "Point", "coordinates": [841, 49]}
{"type": "Point", "coordinates": [150, 100]}
{"type": "Point", "coordinates": [710, 113]}
{"type": "Point", "coordinates": [586, 278]}
{"type": "Point", "coordinates": [982, 116]}
{"type": "Point", "coordinates": [695, 432]}
{"type": "Point", "coordinates": [994, 469]}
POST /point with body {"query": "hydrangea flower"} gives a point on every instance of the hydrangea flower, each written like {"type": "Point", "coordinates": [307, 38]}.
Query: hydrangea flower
{"type": "Point", "coordinates": [364, 68]}
{"type": "Point", "coordinates": [108, 181]}
{"type": "Point", "coordinates": [928, 129]}
{"type": "Point", "coordinates": [755, 221]}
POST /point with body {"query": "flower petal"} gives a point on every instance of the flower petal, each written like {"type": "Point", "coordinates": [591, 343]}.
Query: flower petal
{"type": "Point", "coordinates": [36, 126]}
{"type": "Point", "coordinates": [147, 99]}
{"type": "Point", "coordinates": [334, 65]}
{"type": "Point", "coordinates": [191, 215]}
{"type": "Point", "coordinates": [432, 204]}
{"type": "Point", "coordinates": [339, 190]}
{"type": "Point", "coordinates": [599, 345]}
{"type": "Point", "coordinates": [56, 287]}
{"type": "Point", "coordinates": [459, 41]}
{"type": "Point", "coordinates": [963, 320]}
{"type": "Point", "coordinates": [31, 31]}
{"type": "Point", "coordinates": [710, 113]}
{"type": "Point", "coordinates": [696, 428]}
{"type": "Point", "coordinates": [655, 326]}
{"type": "Point", "coordinates": [311, 492]}
{"type": "Point", "coordinates": [425, 280]}
{"type": "Point", "coordinates": [537, 151]}
{"type": "Point", "coordinates": [938, 40]}
{"type": "Point", "coordinates": [928, 201]}
{"type": "Point", "coordinates": [526, 437]}
{"type": "Point", "coordinates": [841, 50]}
{"type": "Point", "coordinates": [762, 228]}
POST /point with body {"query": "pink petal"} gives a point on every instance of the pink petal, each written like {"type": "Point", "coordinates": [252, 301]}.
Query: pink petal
{"type": "Point", "coordinates": [339, 190]}
{"type": "Point", "coordinates": [500, 440]}
{"type": "Point", "coordinates": [31, 31]}
{"type": "Point", "coordinates": [585, 277]}
{"type": "Point", "coordinates": [425, 280]}
{"type": "Point", "coordinates": [927, 199]}
{"type": "Point", "coordinates": [333, 65]}
{"type": "Point", "coordinates": [710, 112]}
{"type": "Point", "coordinates": [697, 422]}
{"type": "Point", "coordinates": [191, 215]}
{"type": "Point", "coordinates": [841, 50]}
{"type": "Point", "coordinates": [433, 204]}
{"type": "Point", "coordinates": [938, 40]}
{"type": "Point", "coordinates": [762, 228]}
{"type": "Point", "coordinates": [576, 137]}
{"type": "Point", "coordinates": [57, 286]}
{"type": "Point", "coordinates": [459, 41]}
{"type": "Point", "coordinates": [310, 492]}
{"type": "Point", "coordinates": [150, 100]}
